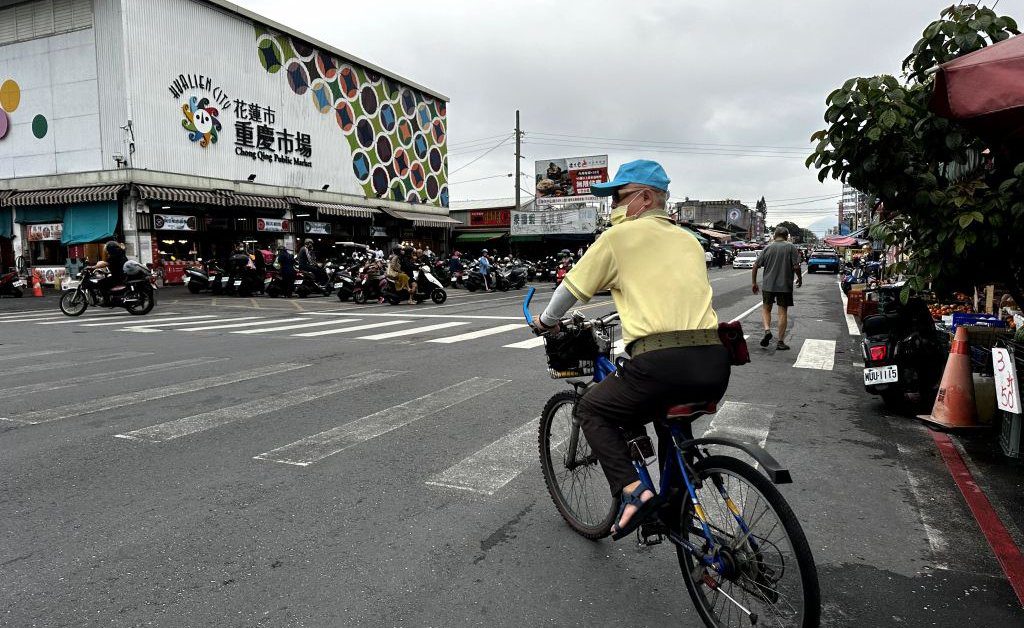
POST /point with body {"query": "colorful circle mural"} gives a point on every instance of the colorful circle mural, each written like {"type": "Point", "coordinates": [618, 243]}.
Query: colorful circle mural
{"type": "Point", "coordinates": [5, 124]}
{"type": "Point", "coordinates": [10, 96]}
{"type": "Point", "coordinates": [396, 134]}
{"type": "Point", "coordinates": [40, 126]}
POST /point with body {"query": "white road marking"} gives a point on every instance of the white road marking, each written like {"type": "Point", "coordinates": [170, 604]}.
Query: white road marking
{"type": "Point", "coordinates": [68, 382]}
{"type": "Point", "coordinates": [33, 354]}
{"type": "Point", "coordinates": [65, 320]}
{"type": "Point", "coordinates": [412, 331]}
{"type": "Point", "coordinates": [181, 323]}
{"type": "Point", "coordinates": [936, 540]}
{"type": "Point", "coordinates": [345, 330]}
{"type": "Point", "coordinates": [222, 416]}
{"type": "Point", "coordinates": [127, 399]}
{"type": "Point", "coordinates": [405, 313]}
{"type": "Point", "coordinates": [746, 422]}
{"type": "Point", "coordinates": [319, 446]}
{"type": "Point", "coordinates": [851, 322]}
{"type": "Point", "coordinates": [816, 354]}
{"type": "Point", "coordinates": [27, 313]}
{"type": "Point", "coordinates": [20, 316]}
{"type": "Point", "coordinates": [27, 319]}
{"type": "Point", "coordinates": [35, 368]}
{"type": "Point", "coordinates": [747, 313]}
{"type": "Point", "coordinates": [298, 326]}
{"type": "Point", "coordinates": [164, 321]}
{"type": "Point", "coordinates": [480, 333]}
{"type": "Point", "coordinates": [527, 344]}
{"type": "Point", "coordinates": [272, 321]}
{"type": "Point", "coordinates": [490, 469]}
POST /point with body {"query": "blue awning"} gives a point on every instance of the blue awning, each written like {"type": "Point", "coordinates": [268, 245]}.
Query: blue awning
{"type": "Point", "coordinates": [89, 222]}
{"type": "Point", "coordinates": [37, 215]}
{"type": "Point", "coordinates": [6, 223]}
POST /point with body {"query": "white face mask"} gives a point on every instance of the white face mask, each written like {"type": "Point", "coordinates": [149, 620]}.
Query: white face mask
{"type": "Point", "coordinates": [618, 215]}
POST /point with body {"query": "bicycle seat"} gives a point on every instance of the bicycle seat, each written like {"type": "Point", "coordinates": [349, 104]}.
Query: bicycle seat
{"type": "Point", "coordinates": [691, 411]}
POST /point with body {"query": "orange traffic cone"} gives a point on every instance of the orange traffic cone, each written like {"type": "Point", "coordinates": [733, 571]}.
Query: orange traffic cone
{"type": "Point", "coordinates": [954, 405]}
{"type": "Point", "coordinates": [37, 286]}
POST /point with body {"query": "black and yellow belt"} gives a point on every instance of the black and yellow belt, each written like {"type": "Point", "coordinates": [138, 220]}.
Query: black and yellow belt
{"type": "Point", "coordinates": [674, 340]}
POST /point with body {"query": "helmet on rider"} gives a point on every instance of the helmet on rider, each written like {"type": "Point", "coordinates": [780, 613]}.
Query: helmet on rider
{"type": "Point", "coordinates": [111, 245]}
{"type": "Point", "coordinates": [308, 242]}
{"type": "Point", "coordinates": [483, 251]}
{"type": "Point", "coordinates": [397, 250]}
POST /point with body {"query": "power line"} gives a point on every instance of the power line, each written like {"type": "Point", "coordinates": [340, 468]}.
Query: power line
{"type": "Point", "coordinates": [690, 144]}
{"type": "Point", "coordinates": [662, 150]}
{"type": "Point", "coordinates": [478, 158]}
{"type": "Point", "coordinates": [488, 139]}
{"type": "Point", "coordinates": [493, 176]}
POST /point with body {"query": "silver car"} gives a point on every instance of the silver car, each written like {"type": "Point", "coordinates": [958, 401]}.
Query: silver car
{"type": "Point", "coordinates": [745, 259]}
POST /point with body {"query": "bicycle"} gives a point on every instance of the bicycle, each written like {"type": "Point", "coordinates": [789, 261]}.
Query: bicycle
{"type": "Point", "coordinates": [740, 548]}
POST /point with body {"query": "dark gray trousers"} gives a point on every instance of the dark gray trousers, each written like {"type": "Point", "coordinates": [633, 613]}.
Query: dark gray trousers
{"type": "Point", "coordinates": [642, 390]}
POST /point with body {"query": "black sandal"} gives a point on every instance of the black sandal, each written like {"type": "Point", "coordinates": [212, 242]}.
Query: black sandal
{"type": "Point", "coordinates": [643, 511]}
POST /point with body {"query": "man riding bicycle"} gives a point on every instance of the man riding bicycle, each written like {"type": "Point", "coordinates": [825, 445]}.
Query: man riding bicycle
{"type": "Point", "coordinates": [658, 280]}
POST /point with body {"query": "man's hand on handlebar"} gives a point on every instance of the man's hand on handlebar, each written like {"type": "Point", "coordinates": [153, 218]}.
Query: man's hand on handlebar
{"type": "Point", "coordinates": [541, 329]}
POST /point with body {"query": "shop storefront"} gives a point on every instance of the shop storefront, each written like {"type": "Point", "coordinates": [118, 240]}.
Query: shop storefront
{"type": "Point", "coordinates": [331, 225]}
{"type": "Point", "coordinates": [420, 229]}
{"type": "Point", "coordinates": [6, 233]}
{"type": "Point", "coordinates": [60, 229]}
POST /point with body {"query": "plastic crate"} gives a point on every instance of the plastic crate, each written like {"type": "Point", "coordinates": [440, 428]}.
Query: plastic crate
{"type": "Point", "coordinates": [976, 320]}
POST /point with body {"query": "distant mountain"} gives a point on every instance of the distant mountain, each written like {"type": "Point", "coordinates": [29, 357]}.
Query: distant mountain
{"type": "Point", "coordinates": [820, 226]}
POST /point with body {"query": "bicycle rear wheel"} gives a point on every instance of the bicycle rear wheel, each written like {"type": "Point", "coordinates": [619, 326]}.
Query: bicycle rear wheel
{"type": "Point", "coordinates": [772, 571]}
{"type": "Point", "coordinates": [578, 488]}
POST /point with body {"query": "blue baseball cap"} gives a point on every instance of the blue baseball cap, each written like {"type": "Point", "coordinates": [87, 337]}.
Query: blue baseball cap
{"type": "Point", "coordinates": [641, 172]}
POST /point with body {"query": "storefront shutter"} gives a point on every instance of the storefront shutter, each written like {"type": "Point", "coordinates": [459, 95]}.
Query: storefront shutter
{"type": "Point", "coordinates": [36, 215]}
{"type": "Point", "coordinates": [6, 224]}
{"type": "Point", "coordinates": [90, 222]}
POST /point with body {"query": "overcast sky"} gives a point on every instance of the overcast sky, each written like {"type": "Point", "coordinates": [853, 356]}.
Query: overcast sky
{"type": "Point", "coordinates": [723, 94]}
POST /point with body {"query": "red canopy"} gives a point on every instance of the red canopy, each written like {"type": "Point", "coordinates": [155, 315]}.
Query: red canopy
{"type": "Point", "coordinates": [984, 90]}
{"type": "Point", "coordinates": [840, 241]}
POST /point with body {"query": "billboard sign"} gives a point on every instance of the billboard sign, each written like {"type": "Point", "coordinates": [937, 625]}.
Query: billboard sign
{"type": "Point", "coordinates": [568, 180]}
{"type": "Point", "coordinates": [549, 221]}
{"type": "Point", "coordinates": [173, 222]}
{"type": "Point", "coordinates": [316, 228]}
{"type": "Point", "coordinates": [271, 224]}
{"type": "Point", "coordinates": [48, 232]}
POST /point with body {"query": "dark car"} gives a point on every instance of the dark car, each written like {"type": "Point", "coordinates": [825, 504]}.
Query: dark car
{"type": "Point", "coordinates": [823, 261]}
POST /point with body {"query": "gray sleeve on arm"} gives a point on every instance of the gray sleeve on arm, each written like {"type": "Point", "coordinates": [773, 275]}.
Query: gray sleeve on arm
{"type": "Point", "coordinates": [560, 303]}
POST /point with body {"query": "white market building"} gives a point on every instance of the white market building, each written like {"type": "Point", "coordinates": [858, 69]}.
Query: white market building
{"type": "Point", "coordinates": [181, 127]}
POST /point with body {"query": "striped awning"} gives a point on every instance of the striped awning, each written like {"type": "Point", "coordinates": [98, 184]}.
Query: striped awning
{"type": "Point", "coordinates": [182, 195]}
{"type": "Point", "coordinates": [253, 200]}
{"type": "Point", "coordinates": [420, 219]}
{"type": "Point", "coordinates": [336, 209]}
{"type": "Point", "coordinates": [64, 196]}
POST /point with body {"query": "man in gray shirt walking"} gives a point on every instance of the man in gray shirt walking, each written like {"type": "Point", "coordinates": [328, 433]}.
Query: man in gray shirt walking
{"type": "Point", "coordinates": [781, 263]}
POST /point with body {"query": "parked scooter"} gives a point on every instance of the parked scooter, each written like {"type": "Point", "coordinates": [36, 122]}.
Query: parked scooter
{"type": "Point", "coordinates": [368, 288]}
{"type": "Point", "coordinates": [343, 281]}
{"type": "Point", "coordinates": [475, 280]}
{"type": "Point", "coordinates": [208, 277]}
{"type": "Point", "coordinates": [137, 295]}
{"type": "Point", "coordinates": [11, 284]}
{"type": "Point", "coordinates": [427, 286]}
{"type": "Point", "coordinates": [902, 351]}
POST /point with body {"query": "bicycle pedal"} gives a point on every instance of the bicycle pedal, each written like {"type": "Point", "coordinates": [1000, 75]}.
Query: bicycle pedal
{"type": "Point", "coordinates": [651, 533]}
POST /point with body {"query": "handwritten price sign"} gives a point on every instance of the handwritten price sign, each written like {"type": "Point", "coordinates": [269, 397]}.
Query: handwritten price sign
{"type": "Point", "coordinates": [1007, 390]}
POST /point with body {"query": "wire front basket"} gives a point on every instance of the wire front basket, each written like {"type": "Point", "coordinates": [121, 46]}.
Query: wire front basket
{"type": "Point", "coordinates": [573, 353]}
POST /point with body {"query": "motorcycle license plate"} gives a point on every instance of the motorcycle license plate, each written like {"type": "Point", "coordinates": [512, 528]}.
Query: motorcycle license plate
{"type": "Point", "coordinates": [238, 282]}
{"type": "Point", "coordinates": [19, 283]}
{"type": "Point", "coordinates": [339, 284]}
{"type": "Point", "coordinates": [881, 375]}
{"type": "Point", "coordinates": [224, 279]}
{"type": "Point", "coordinates": [298, 282]}
{"type": "Point", "coordinates": [67, 285]}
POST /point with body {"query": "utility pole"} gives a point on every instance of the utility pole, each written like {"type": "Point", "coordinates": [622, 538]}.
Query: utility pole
{"type": "Point", "coordinates": [518, 157]}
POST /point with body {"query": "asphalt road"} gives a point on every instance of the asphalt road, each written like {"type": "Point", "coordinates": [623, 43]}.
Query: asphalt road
{"type": "Point", "coordinates": [257, 462]}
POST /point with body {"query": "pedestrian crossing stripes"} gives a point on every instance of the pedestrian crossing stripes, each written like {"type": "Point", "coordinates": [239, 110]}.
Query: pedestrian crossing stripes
{"type": "Point", "coordinates": [68, 382]}
{"type": "Point", "coordinates": [119, 318]}
{"type": "Point", "coordinates": [36, 368]}
{"type": "Point", "coordinates": [181, 323]}
{"type": "Point", "coordinates": [480, 333]}
{"type": "Point", "coordinates": [345, 330]}
{"type": "Point", "coordinates": [816, 354]}
{"type": "Point", "coordinates": [412, 331]}
{"type": "Point", "coordinates": [532, 343]}
{"type": "Point", "coordinates": [35, 417]}
{"type": "Point", "coordinates": [254, 323]}
{"type": "Point", "coordinates": [215, 418]}
{"type": "Point", "coordinates": [31, 354]}
{"type": "Point", "coordinates": [494, 466]}
{"type": "Point", "coordinates": [315, 448]}
{"type": "Point", "coordinates": [163, 321]}
{"type": "Point", "coordinates": [298, 326]}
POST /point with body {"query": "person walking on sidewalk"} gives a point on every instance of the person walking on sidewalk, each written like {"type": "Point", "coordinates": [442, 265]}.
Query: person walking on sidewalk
{"type": "Point", "coordinates": [781, 263]}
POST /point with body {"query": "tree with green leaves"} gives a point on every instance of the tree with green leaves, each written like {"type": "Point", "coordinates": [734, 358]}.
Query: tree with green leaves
{"type": "Point", "coordinates": [952, 201]}
{"type": "Point", "coordinates": [796, 233]}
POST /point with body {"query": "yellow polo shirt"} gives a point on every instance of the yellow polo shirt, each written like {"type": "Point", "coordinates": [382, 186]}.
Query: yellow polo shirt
{"type": "Point", "coordinates": [656, 273]}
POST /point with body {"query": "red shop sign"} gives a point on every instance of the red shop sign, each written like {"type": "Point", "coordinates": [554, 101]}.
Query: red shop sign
{"type": "Point", "coordinates": [490, 218]}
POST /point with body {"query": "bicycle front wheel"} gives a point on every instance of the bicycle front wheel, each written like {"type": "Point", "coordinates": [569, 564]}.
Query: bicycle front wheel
{"type": "Point", "coordinates": [575, 482]}
{"type": "Point", "coordinates": [770, 570]}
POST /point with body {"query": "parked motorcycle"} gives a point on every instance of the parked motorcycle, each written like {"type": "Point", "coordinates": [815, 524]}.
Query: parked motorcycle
{"type": "Point", "coordinates": [343, 281]}
{"type": "Point", "coordinates": [427, 286]}
{"type": "Point", "coordinates": [368, 288]}
{"type": "Point", "coordinates": [307, 284]}
{"type": "Point", "coordinates": [137, 295]}
{"type": "Point", "coordinates": [475, 280]}
{"type": "Point", "coordinates": [903, 354]}
{"type": "Point", "coordinates": [11, 284]}
{"type": "Point", "coordinates": [207, 277]}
